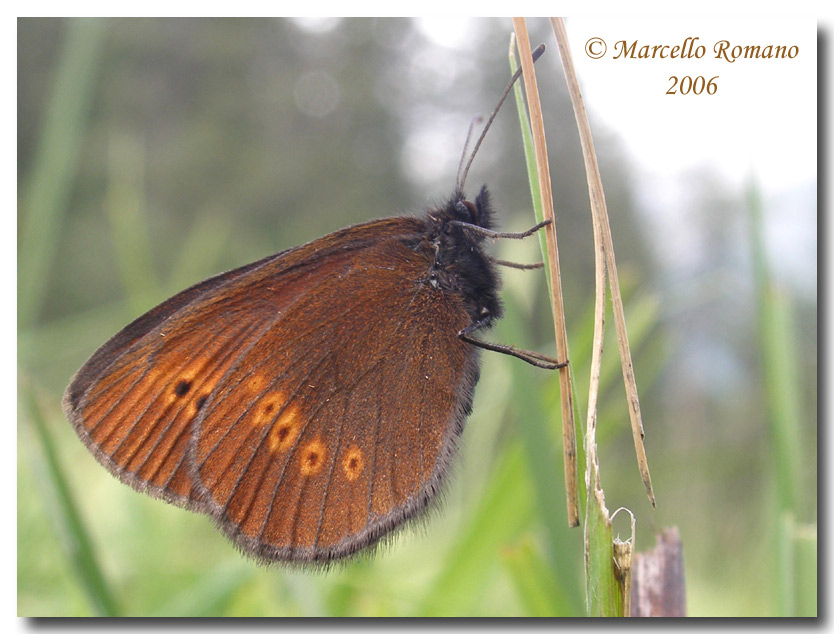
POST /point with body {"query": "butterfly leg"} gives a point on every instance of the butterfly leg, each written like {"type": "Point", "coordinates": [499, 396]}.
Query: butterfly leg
{"type": "Point", "coordinates": [533, 358]}
{"type": "Point", "coordinates": [517, 265]}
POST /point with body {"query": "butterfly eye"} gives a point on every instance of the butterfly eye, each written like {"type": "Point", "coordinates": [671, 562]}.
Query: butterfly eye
{"type": "Point", "coordinates": [467, 210]}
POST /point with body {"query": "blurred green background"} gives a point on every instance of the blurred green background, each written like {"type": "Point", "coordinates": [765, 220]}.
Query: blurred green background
{"type": "Point", "coordinates": [153, 153]}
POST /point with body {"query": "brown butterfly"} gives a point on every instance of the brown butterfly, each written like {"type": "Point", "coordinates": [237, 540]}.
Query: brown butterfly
{"type": "Point", "coordinates": [310, 402]}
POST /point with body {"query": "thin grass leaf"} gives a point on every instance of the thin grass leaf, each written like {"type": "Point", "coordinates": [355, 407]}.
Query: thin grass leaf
{"type": "Point", "coordinates": [126, 211]}
{"type": "Point", "coordinates": [562, 545]}
{"type": "Point", "coordinates": [538, 214]}
{"type": "Point", "coordinates": [604, 592]}
{"type": "Point", "coordinates": [211, 595]}
{"type": "Point", "coordinates": [76, 538]}
{"type": "Point", "coordinates": [45, 196]}
{"type": "Point", "coordinates": [539, 591]}
{"type": "Point", "coordinates": [566, 391]}
{"type": "Point", "coordinates": [777, 344]}
{"type": "Point", "coordinates": [604, 244]}
{"type": "Point", "coordinates": [529, 158]}
{"type": "Point", "coordinates": [795, 568]}
{"type": "Point", "coordinates": [506, 508]}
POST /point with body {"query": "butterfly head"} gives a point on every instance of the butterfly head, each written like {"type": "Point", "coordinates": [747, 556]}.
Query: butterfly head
{"type": "Point", "coordinates": [477, 213]}
{"type": "Point", "coordinates": [460, 265]}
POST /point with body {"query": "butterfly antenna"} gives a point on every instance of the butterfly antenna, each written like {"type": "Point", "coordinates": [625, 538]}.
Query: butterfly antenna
{"type": "Point", "coordinates": [537, 53]}
{"type": "Point", "coordinates": [475, 121]}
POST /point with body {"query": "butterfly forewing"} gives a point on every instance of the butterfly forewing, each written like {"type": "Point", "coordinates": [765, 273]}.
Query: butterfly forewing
{"type": "Point", "coordinates": [134, 400]}
{"type": "Point", "coordinates": [111, 400]}
{"type": "Point", "coordinates": [140, 418]}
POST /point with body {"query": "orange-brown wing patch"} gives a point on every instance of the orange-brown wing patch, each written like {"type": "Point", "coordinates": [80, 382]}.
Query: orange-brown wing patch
{"type": "Point", "coordinates": [134, 402]}
{"type": "Point", "coordinates": [367, 403]}
{"type": "Point", "coordinates": [138, 415]}
{"type": "Point", "coordinates": [310, 401]}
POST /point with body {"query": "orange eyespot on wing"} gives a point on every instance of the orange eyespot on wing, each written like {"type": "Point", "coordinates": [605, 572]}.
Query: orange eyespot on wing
{"type": "Point", "coordinates": [311, 458]}
{"type": "Point", "coordinates": [353, 463]}
{"type": "Point", "coordinates": [285, 430]}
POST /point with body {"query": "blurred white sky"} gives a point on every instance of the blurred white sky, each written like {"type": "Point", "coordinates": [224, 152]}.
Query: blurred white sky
{"type": "Point", "coordinates": [761, 119]}
{"type": "Point", "coordinates": [761, 122]}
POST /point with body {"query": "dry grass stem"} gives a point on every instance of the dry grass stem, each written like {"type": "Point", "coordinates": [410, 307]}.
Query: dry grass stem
{"type": "Point", "coordinates": [604, 257]}
{"type": "Point", "coordinates": [537, 123]}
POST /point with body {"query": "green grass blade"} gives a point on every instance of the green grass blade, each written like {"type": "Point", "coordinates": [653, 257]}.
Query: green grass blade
{"type": "Point", "coordinates": [602, 589]}
{"type": "Point", "coordinates": [795, 576]}
{"type": "Point", "coordinates": [805, 549]}
{"type": "Point", "coordinates": [530, 161]}
{"type": "Point", "coordinates": [126, 212]}
{"type": "Point", "coordinates": [539, 591]}
{"type": "Point", "coordinates": [76, 538]}
{"type": "Point", "coordinates": [538, 213]}
{"type": "Point", "coordinates": [505, 509]}
{"type": "Point", "coordinates": [45, 196]}
{"type": "Point", "coordinates": [777, 345]}
{"type": "Point", "coordinates": [211, 595]}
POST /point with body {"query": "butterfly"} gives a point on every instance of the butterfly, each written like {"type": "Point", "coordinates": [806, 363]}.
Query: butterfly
{"type": "Point", "coordinates": [310, 402]}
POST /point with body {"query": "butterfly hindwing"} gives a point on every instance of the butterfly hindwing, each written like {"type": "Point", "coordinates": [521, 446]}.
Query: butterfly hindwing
{"type": "Point", "coordinates": [303, 459]}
